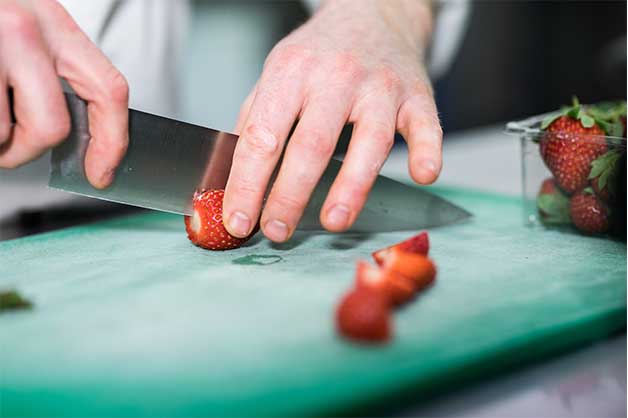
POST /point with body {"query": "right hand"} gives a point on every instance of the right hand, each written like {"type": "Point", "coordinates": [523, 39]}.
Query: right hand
{"type": "Point", "coordinates": [40, 42]}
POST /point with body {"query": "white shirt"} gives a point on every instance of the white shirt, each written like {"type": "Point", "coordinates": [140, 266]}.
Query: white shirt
{"type": "Point", "coordinates": [155, 32]}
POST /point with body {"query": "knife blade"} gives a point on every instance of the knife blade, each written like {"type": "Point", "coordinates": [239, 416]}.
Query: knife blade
{"type": "Point", "coordinates": [167, 161]}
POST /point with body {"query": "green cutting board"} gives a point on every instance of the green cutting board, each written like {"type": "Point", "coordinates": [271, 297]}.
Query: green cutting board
{"type": "Point", "coordinates": [132, 319]}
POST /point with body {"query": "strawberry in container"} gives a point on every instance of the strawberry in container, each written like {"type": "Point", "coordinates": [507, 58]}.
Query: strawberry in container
{"type": "Point", "coordinates": [574, 167]}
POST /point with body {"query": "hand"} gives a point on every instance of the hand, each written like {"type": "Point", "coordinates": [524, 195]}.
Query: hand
{"type": "Point", "coordinates": [39, 42]}
{"type": "Point", "coordinates": [354, 61]}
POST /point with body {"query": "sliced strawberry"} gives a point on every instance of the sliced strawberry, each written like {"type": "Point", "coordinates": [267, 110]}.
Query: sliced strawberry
{"type": "Point", "coordinates": [419, 244]}
{"type": "Point", "coordinates": [205, 227]}
{"type": "Point", "coordinates": [364, 315]}
{"type": "Point", "coordinates": [414, 266]}
{"type": "Point", "coordinates": [399, 289]}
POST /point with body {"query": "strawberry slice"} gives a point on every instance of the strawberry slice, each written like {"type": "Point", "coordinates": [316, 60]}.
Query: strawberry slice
{"type": "Point", "coordinates": [419, 244]}
{"type": "Point", "coordinates": [205, 227]}
{"type": "Point", "coordinates": [364, 315]}
{"type": "Point", "coordinates": [417, 267]}
{"type": "Point", "coordinates": [399, 289]}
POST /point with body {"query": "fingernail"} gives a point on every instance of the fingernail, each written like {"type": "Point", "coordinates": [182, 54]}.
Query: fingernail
{"type": "Point", "coordinates": [338, 216]}
{"type": "Point", "coordinates": [239, 224]}
{"type": "Point", "coordinates": [276, 230]}
{"type": "Point", "coordinates": [427, 170]}
{"type": "Point", "coordinates": [106, 178]}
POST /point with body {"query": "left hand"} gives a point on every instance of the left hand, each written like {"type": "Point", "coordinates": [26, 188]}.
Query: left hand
{"type": "Point", "coordinates": [353, 61]}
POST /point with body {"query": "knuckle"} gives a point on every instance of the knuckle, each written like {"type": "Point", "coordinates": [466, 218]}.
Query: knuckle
{"type": "Point", "coordinates": [316, 144]}
{"type": "Point", "coordinates": [260, 140]}
{"type": "Point", "coordinates": [387, 78]}
{"type": "Point", "coordinates": [244, 187]}
{"type": "Point", "coordinates": [15, 19]}
{"type": "Point", "coordinates": [383, 137]}
{"type": "Point", "coordinates": [54, 132]}
{"type": "Point", "coordinates": [290, 58]}
{"type": "Point", "coordinates": [289, 202]}
{"type": "Point", "coordinates": [117, 87]}
{"type": "Point", "coordinates": [348, 65]}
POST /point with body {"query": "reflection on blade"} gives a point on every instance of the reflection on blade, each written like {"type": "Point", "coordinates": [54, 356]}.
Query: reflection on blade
{"type": "Point", "coordinates": [166, 162]}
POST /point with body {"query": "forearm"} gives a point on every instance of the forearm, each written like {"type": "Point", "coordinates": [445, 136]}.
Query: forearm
{"type": "Point", "coordinates": [412, 20]}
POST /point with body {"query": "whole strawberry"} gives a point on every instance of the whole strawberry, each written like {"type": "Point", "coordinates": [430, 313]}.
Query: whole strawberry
{"type": "Point", "coordinates": [552, 204]}
{"type": "Point", "coordinates": [205, 227]}
{"type": "Point", "coordinates": [588, 213]}
{"type": "Point", "coordinates": [568, 147]}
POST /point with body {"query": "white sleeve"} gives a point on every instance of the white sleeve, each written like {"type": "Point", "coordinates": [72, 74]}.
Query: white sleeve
{"type": "Point", "coordinates": [451, 18]}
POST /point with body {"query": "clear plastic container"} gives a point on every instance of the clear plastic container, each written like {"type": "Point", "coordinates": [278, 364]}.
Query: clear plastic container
{"type": "Point", "coordinates": [535, 173]}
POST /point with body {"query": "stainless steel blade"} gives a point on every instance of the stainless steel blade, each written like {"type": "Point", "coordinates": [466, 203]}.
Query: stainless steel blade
{"type": "Point", "coordinates": [391, 206]}
{"type": "Point", "coordinates": [167, 161]}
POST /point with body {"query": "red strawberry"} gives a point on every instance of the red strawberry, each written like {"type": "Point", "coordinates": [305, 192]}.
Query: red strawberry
{"type": "Point", "coordinates": [364, 315]}
{"type": "Point", "coordinates": [419, 244]}
{"type": "Point", "coordinates": [205, 227]}
{"type": "Point", "coordinates": [414, 266]}
{"type": "Point", "coordinates": [399, 289]}
{"type": "Point", "coordinates": [568, 149]}
{"type": "Point", "coordinates": [588, 213]}
{"type": "Point", "coordinates": [552, 204]}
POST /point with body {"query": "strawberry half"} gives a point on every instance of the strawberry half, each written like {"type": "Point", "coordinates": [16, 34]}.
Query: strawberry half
{"type": "Point", "coordinates": [364, 315]}
{"type": "Point", "coordinates": [419, 244]}
{"type": "Point", "coordinates": [399, 289]}
{"type": "Point", "coordinates": [414, 266]}
{"type": "Point", "coordinates": [205, 227]}
{"type": "Point", "coordinates": [588, 213]}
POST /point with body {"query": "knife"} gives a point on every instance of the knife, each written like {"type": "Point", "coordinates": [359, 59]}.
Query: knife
{"type": "Point", "coordinates": [167, 161]}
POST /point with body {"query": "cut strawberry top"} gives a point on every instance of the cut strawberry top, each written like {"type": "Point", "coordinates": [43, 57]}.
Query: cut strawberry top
{"type": "Point", "coordinates": [418, 244]}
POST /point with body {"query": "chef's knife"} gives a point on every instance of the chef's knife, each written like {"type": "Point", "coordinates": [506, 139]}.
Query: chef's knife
{"type": "Point", "coordinates": [168, 160]}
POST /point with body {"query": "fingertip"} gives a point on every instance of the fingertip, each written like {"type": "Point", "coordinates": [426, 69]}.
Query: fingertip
{"type": "Point", "coordinates": [424, 170]}
{"type": "Point", "coordinates": [336, 218]}
{"type": "Point", "coordinates": [238, 224]}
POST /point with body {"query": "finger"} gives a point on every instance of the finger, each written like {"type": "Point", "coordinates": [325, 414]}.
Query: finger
{"type": "Point", "coordinates": [307, 155]}
{"type": "Point", "coordinates": [245, 110]}
{"type": "Point", "coordinates": [42, 119]}
{"type": "Point", "coordinates": [418, 123]}
{"type": "Point", "coordinates": [5, 118]}
{"type": "Point", "coordinates": [372, 139]}
{"type": "Point", "coordinates": [271, 116]}
{"type": "Point", "coordinates": [96, 80]}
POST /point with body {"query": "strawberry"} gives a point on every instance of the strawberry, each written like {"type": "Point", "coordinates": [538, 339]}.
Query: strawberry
{"type": "Point", "coordinates": [568, 151]}
{"type": "Point", "coordinates": [399, 289]}
{"type": "Point", "coordinates": [588, 212]}
{"type": "Point", "coordinates": [205, 227]}
{"type": "Point", "coordinates": [552, 204]}
{"type": "Point", "coordinates": [364, 315]}
{"type": "Point", "coordinates": [419, 244]}
{"type": "Point", "coordinates": [414, 266]}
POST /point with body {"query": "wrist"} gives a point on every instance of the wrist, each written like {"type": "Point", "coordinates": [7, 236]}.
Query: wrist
{"type": "Point", "coordinates": [412, 20]}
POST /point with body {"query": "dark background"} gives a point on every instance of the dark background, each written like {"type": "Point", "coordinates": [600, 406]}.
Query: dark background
{"type": "Point", "coordinates": [523, 58]}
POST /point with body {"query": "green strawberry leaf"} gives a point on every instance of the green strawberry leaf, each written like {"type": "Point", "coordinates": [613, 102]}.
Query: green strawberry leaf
{"type": "Point", "coordinates": [553, 208]}
{"type": "Point", "coordinates": [588, 190]}
{"type": "Point", "coordinates": [586, 120]}
{"type": "Point", "coordinates": [604, 163]}
{"type": "Point", "coordinates": [549, 120]}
